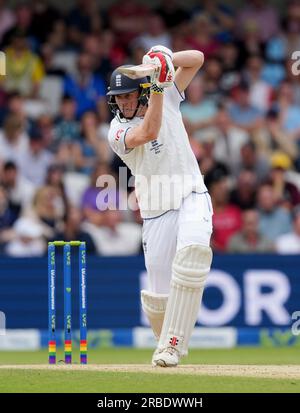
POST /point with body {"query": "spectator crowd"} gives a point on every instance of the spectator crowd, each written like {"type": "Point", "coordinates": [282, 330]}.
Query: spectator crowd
{"type": "Point", "coordinates": [241, 112]}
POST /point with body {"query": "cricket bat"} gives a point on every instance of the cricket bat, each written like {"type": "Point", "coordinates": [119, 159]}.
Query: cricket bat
{"type": "Point", "coordinates": [136, 72]}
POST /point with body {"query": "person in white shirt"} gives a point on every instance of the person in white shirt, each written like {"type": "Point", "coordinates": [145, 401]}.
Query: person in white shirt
{"type": "Point", "coordinates": [290, 243]}
{"type": "Point", "coordinates": [36, 160]}
{"type": "Point", "coordinates": [148, 134]}
{"type": "Point", "coordinates": [13, 140]}
{"type": "Point", "coordinates": [28, 241]}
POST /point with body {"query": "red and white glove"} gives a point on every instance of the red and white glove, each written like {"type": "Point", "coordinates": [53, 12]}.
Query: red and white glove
{"type": "Point", "coordinates": [162, 49]}
{"type": "Point", "coordinates": [165, 74]}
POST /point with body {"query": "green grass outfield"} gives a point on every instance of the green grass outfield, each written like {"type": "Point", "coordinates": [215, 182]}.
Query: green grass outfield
{"type": "Point", "coordinates": [278, 370]}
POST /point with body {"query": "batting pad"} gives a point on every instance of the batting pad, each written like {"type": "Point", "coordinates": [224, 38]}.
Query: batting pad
{"type": "Point", "coordinates": [154, 306]}
{"type": "Point", "coordinates": [190, 268]}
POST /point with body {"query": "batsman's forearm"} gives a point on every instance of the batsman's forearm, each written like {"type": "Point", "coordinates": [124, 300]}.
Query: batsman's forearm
{"type": "Point", "coordinates": [153, 116]}
{"type": "Point", "coordinates": [188, 58]}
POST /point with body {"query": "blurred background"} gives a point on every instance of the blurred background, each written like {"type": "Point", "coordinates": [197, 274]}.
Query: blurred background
{"type": "Point", "coordinates": [242, 114]}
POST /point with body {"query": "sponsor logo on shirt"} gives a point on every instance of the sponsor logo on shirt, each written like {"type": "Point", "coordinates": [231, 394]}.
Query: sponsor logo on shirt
{"type": "Point", "coordinates": [156, 146]}
{"type": "Point", "coordinates": [174, 341]}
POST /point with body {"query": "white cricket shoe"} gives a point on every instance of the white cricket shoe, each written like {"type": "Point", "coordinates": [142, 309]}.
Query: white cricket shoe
{"type": "Point", "coordinates": [168, 357]}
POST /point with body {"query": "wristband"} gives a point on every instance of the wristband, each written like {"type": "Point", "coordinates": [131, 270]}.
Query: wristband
{"type": "Point", "coordinates": [156, 89]}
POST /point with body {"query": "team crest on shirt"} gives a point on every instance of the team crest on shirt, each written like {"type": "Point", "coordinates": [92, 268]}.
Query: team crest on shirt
{"type": "Point", "coordinates": [118, 134]}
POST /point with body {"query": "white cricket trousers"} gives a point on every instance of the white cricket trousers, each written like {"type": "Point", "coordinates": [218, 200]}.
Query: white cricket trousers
{"type": "Point", "coordinates": [172, 231]}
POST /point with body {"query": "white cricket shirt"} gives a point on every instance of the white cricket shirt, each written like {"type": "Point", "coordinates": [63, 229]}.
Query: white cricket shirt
{"type": "Point", "coordinates": [165, 169]}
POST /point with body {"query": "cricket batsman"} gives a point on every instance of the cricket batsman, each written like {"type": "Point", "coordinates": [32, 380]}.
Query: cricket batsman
{"type": "Point", "coordinates": [148, 134]}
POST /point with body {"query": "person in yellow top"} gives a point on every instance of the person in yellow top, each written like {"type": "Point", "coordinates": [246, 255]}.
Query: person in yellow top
{"type": "Point", "coordinates": [24, 69]}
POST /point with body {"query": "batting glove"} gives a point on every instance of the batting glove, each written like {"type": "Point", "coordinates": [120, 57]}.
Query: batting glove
{"type": "Point", "coordinates": [162, 49]}
{"type": "Point", "coordinates": [164, 75]}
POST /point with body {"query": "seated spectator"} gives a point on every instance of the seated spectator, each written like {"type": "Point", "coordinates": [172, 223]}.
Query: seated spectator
{"type": "Point", "coordinates": [249, 43]}
{"type": "Point", "coordinates": [7, 218]}
{"type": "Point", "coordinates": [13, 139]}
{"type": "Point", "coordinates": [48, 210]}
{"type": "Point", "coordinates": [289, 113]}
{"type": "Point", "coordinates": [260, 92]}
{"type": "Point", "coordinates": [286, 193]}
{"type": "Point", "coordinates": [275, 50]}
{"type": "Point", "coordinates": [179, 39]}
{"type": "Point", "coordinates": [275, 138]}
{"type": "Point", "coordinates": [83, 18]}
{"type": "Point", "coordinates": [128, 20]}
{"type": "Point", "coordinates": [213, 78]}
{"type": "Point", "coordinates": [91, 212]}
{"type": "Point", "coordinates": [52, 64]}
{"type": "Point", "coordinates": [36, 160]}
{"type": "Point", "coordinates": [201, 36]}
{"type": "Point", "coordinates": [66, 133]}
{"type": "Point", "coordinates": [15, 105]}
{"type": "Point", "coordinates": [273, 220]}
{"type": "Point", "coordinates": [91, 147]}
{"type": "Point", "coordinates": [19, 189]}
{"type": "Point", "coordinates": [291, 26]}
{"type": "Point", "coordinates": [45, 125]}
{"type": "Point", "coordinates": [112, 48]}
{"type": "Point", "coordinates": [290, 243]}
{"type": "Point", "coordinates": [280, 47]}
{"type": "Point", "coordinates": [93, 45]}
{"type": "Point", "coordinates": [7, 19]}
{"type": "Point", "coordinates": [73, 231]}
{"type": "Point", "coordinates": [97, 196]}
{"type": "Point", "coordinates": [28, 241]}
{"type": "Point", "coordinates": [241, 111]}
{"type": "Point", "coordinates": [249, 239]}
{"type": "Point", "coordinates": [156, 33]}
{"type": "Point", "coordinates": [115, 237]}
{"type": "Point", "coordinates": [66, 125]}
{"type": "Point", "coordinates": [263, 14]}
{"type": "Point", "coordinates": [58, 42]}
{"type": "Point", "coordinates": [228, 139]}
{"type": "Point", "coordinates": [293, 80]}
{"type": "Point", "coordinates": [136, 54]}
{"type": "Point", "coordinates": [23, 21]}
{"type": "Point", "coordinates": [197, 148]}
{"type": "Point", "coordinates": [231, 75]}
{"type": "Point", "coordinates": [251, 160]}
{"type": "Point", "coordinates": [25, 69]}
{"type": "Point", "coordinates": [43, 20]}
{"type": "Point", "coordinates": [220, 16]}
{"type": "Point", "coordinates": [227, 217]}
{"type": "Point", "coordinates": [172, 13]}
{"type": "Point", "coordinates": [55, 179]}
{"type": "Point", "coordinates": [104, 221]}
{"type": "Point", "coordinates": [208, 163]}
{"type": "Point", "coordinates": [87, 89]}
{"type": "Point", "coordinates": [244, 195]}
{"type": "Point", "coordinates": [273, 72]}
{"type": "Point", "coordinates": [198, 112]}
